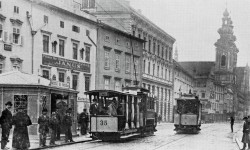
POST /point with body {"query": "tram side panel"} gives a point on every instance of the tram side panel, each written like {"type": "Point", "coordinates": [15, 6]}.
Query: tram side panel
{"type": "Point", "coordinates": [104, 124]}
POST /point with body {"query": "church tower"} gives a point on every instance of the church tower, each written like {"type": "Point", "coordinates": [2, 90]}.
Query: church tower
{"type": "Point", "coordinates": [176, 54]}
{"type": "Point", "coordinates": [226, 52]}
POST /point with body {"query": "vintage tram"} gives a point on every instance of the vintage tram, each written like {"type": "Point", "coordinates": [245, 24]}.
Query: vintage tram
{"type": "Point", "coordinates": [135, 114]}
{"type": "Point", "coordinates": [187, 115]}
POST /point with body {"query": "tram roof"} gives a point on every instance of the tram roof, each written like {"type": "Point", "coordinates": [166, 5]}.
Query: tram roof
{"type": "Point", "coordinates": [108, 92]}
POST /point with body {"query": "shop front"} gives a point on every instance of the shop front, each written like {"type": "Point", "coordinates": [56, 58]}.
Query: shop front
{"type": "Point", "coordinates": [34, 93]}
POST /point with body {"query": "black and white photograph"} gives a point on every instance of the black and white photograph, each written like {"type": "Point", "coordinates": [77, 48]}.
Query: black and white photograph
{"type": "Point", "coordinates": [125, 74]}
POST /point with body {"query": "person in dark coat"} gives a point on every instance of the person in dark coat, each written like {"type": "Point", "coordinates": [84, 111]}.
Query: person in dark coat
{"type": "Point", "coordinates": [6, 124]}
{"type": "Point", "coordinates": [245, 137]}
{"type": "Point", "coordinates": [232, 124]}
{"type": "Point", "coordinates": [53, 123]}
{"type": "Point", "coordinates": [67, 121]}
{"type": "Point", "coordinates": [58, 129]}
{"type": "Point", "coordinates": [83, 121]}
{"type": "Point", "coordinates": [20, 138]}
{"type": "Point", "coordinates": [43, 122]}
{"type": "Point", "coordinates": [93, 108]}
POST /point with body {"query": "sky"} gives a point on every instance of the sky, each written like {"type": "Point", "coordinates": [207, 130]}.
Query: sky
{"type": "Point", "coordinates": [194, 25]}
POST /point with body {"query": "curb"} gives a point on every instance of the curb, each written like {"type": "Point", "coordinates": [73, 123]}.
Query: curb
{"type": "Point", "coordinates": [240, 145]}
{"type": "Point", "coordinates": [64, 144]}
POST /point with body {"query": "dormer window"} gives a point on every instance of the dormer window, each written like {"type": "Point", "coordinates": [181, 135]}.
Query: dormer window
{"type": "Point", "coordinates": [16, 9]}
{"type": "Point", "coordinates": [88, 4]}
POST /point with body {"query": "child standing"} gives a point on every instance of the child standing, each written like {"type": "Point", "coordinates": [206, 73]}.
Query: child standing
{"type": "Point", "coordinates": [43, 122]}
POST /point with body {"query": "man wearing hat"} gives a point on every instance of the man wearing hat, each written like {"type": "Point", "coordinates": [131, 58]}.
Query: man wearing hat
{"type": "Point", "coordinates": [67, 121]}
{"type": "Point", "coordinates": [93, 108]}
{"type": "Point", "coordinates": [43, 122]}
{"type": "Point", "coordinates": [6, 124]}
{"type": "Point", "coordinates": [83, 121]}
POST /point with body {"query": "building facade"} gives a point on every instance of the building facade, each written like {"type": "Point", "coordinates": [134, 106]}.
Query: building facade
{"type": "Point", "coordinates": [183, 81]}
{"type": "Point", "coordinates": [119, 59]}
{"type": "Point", "coordinates": [157, 51]}
{"type": "Point", "coordinates": [52, 39]}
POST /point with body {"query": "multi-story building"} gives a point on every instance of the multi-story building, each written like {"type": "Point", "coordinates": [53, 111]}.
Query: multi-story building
{"type": "Point", "coordinates": [183, 81]}
{"type": "Point", "coordinates": [52, 39]}
{"type": "Point", "coordinates": [242, 87]}
{"type": "Point", "coordinates": [157, 51]}
{"type": "Point", "coordinates": [119, 59]}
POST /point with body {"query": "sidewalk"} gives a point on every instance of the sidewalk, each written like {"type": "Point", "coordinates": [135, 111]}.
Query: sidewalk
{"type": "Point", "coordinates": [238, 136]}
{"type": "Point", "coordinates": [34, 140]}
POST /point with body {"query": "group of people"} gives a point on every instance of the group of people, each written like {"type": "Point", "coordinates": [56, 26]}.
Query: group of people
{"type": "Point", "coordinates": [20, 121]}
{"type": "Point", "coordinates": [100, 109]}
{"type": "Point", "coordinates": [53, 126]}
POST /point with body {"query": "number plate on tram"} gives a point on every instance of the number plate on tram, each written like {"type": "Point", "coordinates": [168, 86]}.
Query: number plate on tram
{"type": "Point", "coordinates": [104, 124]}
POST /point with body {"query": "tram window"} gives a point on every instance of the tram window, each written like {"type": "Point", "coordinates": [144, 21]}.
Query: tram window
{"type": "Point", "coordinates": [185, 107]}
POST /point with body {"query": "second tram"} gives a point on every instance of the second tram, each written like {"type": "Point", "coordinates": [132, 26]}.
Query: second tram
{"type": "Point", "coordinates": [188, 114]}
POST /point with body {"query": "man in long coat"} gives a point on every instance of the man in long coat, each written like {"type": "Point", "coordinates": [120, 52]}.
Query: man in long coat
{"type": "Point", "coordinates": [43, 122]}
{"type": "Point", "coordinates": [20, 135]}
{"type": "Point", "coordinates": [83, 121]}
{"type": "Point", "coordinates": [245, 137]}
{"type": "Point", "coordinates": [6, 124]}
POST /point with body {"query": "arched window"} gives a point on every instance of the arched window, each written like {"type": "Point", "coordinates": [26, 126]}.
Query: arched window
{"type": "Point", "coordinates": [223, 60]}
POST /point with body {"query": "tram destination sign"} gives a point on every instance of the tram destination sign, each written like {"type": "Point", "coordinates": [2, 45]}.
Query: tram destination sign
{"type": "Point", "coordinates": [65, 63]}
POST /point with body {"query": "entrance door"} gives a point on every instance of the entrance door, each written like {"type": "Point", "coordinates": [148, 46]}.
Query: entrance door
{"type": "Point", "coordinates": [61, 102]}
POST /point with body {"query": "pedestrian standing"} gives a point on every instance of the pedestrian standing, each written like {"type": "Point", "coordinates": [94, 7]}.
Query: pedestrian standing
{"type": "Point", "coordinates": [67, 121]}
{"type": "Point", "coordinates": [53, 123]}
{"type": "Point", "coordinates": [20, 138]}
{"type": "Point", "coordinates": [232, 124]}
{"type": "Point", "coordinates": [58, 129]}
{"type": "Point", "coordinates": [6, 124]}
{"type": "Point", "coordinates": [245, 137]}
{"type": "Point", "coordinates": [43, 122]}
{"type": "Point", "coordinates": [159, 118]}
{"type": "Point", "coordinates": [83, 121]}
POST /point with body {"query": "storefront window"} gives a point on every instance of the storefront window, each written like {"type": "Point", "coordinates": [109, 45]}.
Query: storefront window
{"type": "Point", "coordinates": [20, 101]}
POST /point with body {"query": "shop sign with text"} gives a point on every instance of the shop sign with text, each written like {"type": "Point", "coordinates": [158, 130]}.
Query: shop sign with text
{"type": "Point", "coordinates": [65, 63]}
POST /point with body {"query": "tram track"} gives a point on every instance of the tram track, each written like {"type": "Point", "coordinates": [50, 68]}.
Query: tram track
{"type": "Point", "coordinates": [178, 139]}
{"type": "Point", "coordinates": [101, 143]}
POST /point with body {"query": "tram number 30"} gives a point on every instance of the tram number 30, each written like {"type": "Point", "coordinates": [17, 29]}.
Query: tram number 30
{"type": "Point", "coordinates": [103, 122]}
